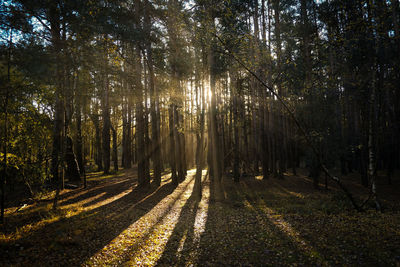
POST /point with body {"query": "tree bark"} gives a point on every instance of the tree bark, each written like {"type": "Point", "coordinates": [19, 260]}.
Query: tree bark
{"type": "Point", "coordinates": [106, 116]}
{"type": "Point", "coordinates": [154, 108]}
{"type": "Point", "coordinates": [72, 172]}
{"type": "Point", "coordinates": [172, 162]}
{"type": "Point", "coordinates": [215, 157]}
{"type": "Point", "coordinates": [236, 131]}
{"type": "Point", "coordinates": [78, 145]}
{"type": "Point", "coordinates": [114, 148]}
{"type": "Point", "coordinates": [200, 142]}
{"type": "Point", "coordinates": [59, 107]}
{"type": "Point", "coordinates": [126, 128]}
{"type": "Point", "coordinates": [98, 155]}
{"type": "Point", "coordinates": [106, 133]}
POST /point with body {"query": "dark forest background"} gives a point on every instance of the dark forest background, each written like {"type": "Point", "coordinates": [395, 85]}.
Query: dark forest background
{"type": "Point", "coordinates": [171, 85]}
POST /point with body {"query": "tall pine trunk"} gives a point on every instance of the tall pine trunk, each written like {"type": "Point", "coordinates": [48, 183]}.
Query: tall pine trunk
{"type": "Point", "coordinates": [154, 108]}
{"type": "Point", "coordinates": [114, 148]}
{"type": "Point", "coordinates": [79, 154]}
{"type": "Point", "coordinates": [172, 160]}
{"type": "Point", "coordinates": [140, 127]}
{"type": "Point", "coordinates": [106, 129]}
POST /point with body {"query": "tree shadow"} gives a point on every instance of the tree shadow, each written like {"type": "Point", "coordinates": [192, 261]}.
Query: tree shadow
{"type": "Point", "coordinates": [238, 233]}
{"type": "Point", "coordinates": [73, 240]}
{"type": "Point", "coordinates": [340, 238]}
{"type": "Point", "coordinates": [182, 240]}
{"type": "Point", "coordinates": [106, 192]}
{"type": "Point", "coordinates": [129, 250]}
{"type": "Point", "coordinates": [39, 211]}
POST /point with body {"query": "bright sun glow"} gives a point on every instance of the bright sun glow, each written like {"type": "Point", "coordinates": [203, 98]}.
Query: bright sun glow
{"type": "Point", "coordinates": [207, 90]}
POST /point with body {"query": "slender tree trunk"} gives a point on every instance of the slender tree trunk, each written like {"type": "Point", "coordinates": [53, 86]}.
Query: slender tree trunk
{"type": "Point", "coordinates": [200, 142]}
{"type": "Point", "coordinates": [236, 152]}
{"type": "Point", "coordinates": [140, 124]}
{"type": "Point", "coordinates": [172, 154]}
{"type": "Point", "coordinates": [263, 24]}
{"type": "Point", "coordinates": [106, 132]}
{"type": "Point", "coordinates": [214, 124]}
{"type": "Point", "coordinates": [395, 111]}
{"type": "Point", "coordinates": [72, 171]}
{"type": "Point", "coordinates": [114, 148]}
{"type": "Point", "coordinates": [59, 109]}
{"type": "Point", "coordinates": [154, 108]}
{"type": "Point", "coordinates": [147, 141]}
{"type": "Point", "coordinates": [178, 144]}
{"type": "Point", "coordinates": [140, 143]}
{"type": "Point", "coordinates": [79, 141]}
{"type": "Point", "coordinates": [264, 152]}
{"type": "Point", "coordinates": [78, 145]}
{"type": "Point", "coordinates": [277, 113]}
{"type": "Point", "coordinates": [4, 175]}
{"type": "Point", "coordinates": [98, 158]}
{"type": "Point", "coordinates": [126, 128]}
{"type": "Point", "coordinates": [72, 167]}
{"type": "Point", "coordinates": [106, 117]}
{"type": "Point", "coordinates": [255, 91]}
{"type": "Point", "coordinates": [371, 147]}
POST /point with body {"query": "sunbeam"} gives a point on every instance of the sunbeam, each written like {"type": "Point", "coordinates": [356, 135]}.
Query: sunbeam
{"type": "Point", "coordinates": [143, 242]}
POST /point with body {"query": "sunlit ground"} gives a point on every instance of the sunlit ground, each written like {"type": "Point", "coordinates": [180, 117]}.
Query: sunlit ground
{"type": "Point", "coordinates": [260, 222]}
{"type": "Point", "coordinates": [143, 242]}
{"type": "Point", "coordinates": [71, 203]}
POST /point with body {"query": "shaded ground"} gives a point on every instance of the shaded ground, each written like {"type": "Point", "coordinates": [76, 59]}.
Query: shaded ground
{"type": "Point", "coordinates": [273, 222]}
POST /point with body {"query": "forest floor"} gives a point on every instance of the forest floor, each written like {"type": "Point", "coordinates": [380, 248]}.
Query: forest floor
{"type": "Point", "coordinates": [260, 223]}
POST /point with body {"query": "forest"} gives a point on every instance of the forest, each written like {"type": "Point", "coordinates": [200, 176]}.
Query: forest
{"type": "Point", "coordinates": [200, 132]}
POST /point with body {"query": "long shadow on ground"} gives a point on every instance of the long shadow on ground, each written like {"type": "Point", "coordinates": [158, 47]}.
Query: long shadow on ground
{"type": "Point", "coordinates": [236, 234]}
{"type": "Point", "coordinates": [71, 241]}
{"type": "Point", "coordinates": [98, 190]}
{"type": "Point", "coordinates": [334, 235]}
{"type": "Point", "coordinates": [128, 248]}
{"type": "Point", "coordinates": [175, 253]}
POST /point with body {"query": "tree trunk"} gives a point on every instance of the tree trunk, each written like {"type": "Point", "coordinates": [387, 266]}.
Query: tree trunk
{"type": "Point", "coordinates": [200, 148]}
{"type": "Point", "coordinates": [235, 83]}
{"type": "Point", "coordinates": [143, 180]}
{"type": "Point", "coordinates": [140, 142]}
{"type": "Point", "coordinates": [106, 118]}
{"type": "Point", "coordinates": [126, 129]}
{"type": "Point", "coordinates": [155, 125]}
{"type": "Point", "coordinates": [213, 122]}
{"type": "Point", "coordinates": [178, 145]}
{"type": "Point", "coordinates": [371, 150]}
{"type": "Point", "coordinates": [106, 133]}
{"type": "Point", "coordinates": [4, 175]}
{"type": "Point", "coordinates": [172, 161]}
{"type": "Point", "coordinates": [79, 136]}
{"type": "Point", "coordinates": [72, 172]}
{"type": "Point", "coordinates": [59, 109]}
{"type": "Point", "coordinates": [147, 141]}
{"type": "Point", "coordinates": [371, 138]}
{"type": "Point", "coordinates": [115, 148]}
{"type": "Point", "coordinates": [98, 158]}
